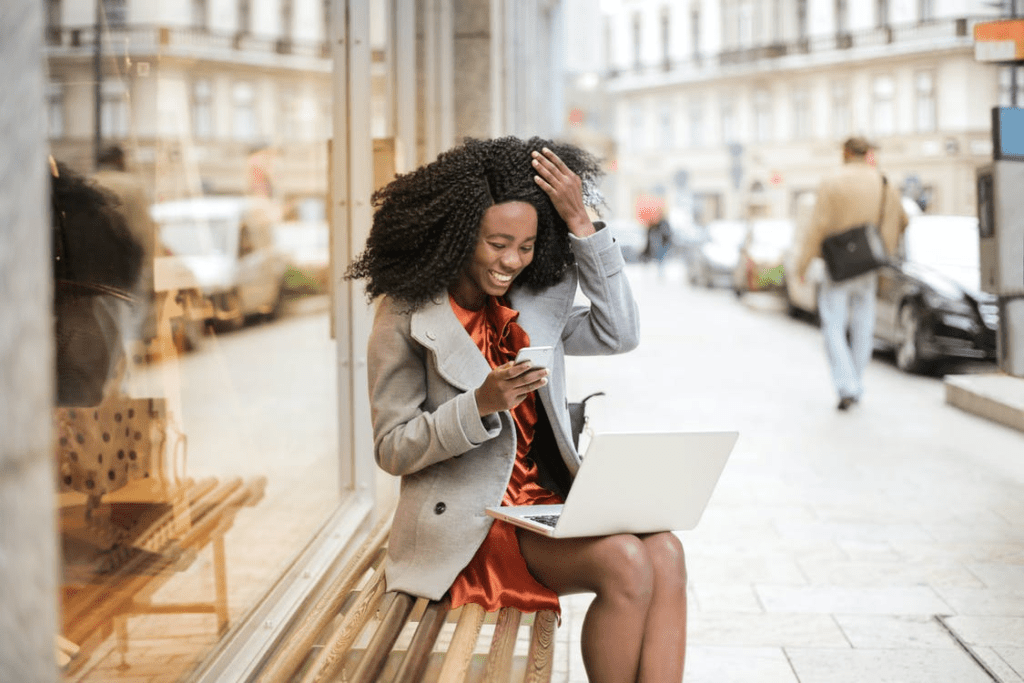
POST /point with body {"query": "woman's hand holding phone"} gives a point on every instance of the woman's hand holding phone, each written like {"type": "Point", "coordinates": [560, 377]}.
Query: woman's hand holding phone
{"type": "Point", "coordinates": [507, 385]}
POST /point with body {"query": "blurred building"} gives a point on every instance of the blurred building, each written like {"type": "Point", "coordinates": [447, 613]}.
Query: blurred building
{"type": "Point", "coordinates": [736, 108]}
{"type": "Point", "coordinates": [226, 96]}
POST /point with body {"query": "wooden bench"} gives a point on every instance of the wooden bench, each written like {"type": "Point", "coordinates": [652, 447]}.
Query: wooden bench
{"type": "Point", "coordinates": [153, 548]}
{"type": "Point", "coordinates": [359, 633]}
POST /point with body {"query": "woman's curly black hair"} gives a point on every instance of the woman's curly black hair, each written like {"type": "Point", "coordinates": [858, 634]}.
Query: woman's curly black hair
{"type": "Point", "coordinates": [426, 222]}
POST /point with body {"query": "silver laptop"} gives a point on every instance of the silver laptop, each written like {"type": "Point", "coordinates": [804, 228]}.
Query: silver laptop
{"type": "Point", "coordinates": [633, 483]}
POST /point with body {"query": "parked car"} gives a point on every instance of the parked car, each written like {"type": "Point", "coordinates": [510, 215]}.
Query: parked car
{"type": "Point", "coordinates": [220, 258]}
{"type": "Point", "coordinates": [930, 303]}
{"type": "Point", "coordinates": [716, 258]}
{"type": "Point", "coordinates": [802, 293]}
{"type": "Point", "coordinates": [761, 255]}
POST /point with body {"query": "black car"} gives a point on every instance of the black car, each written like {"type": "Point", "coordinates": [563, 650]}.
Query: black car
{"type": "Point", "coordinates": [930, 305]}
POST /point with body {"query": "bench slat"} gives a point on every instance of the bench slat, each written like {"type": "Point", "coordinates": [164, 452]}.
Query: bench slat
{"type": "Point", "coordinates": [332, 657]}
{"type": "Point", "coordinates": [540, 660]}
{"type": "Point", "coordinates": [283, 664]}
{"type": "Point", "coordinates": [460, 650]}
{"type": "Point", "coordinates": [418, 654]}
{"type": "Point", "coordinates": [383, 639]}
{"type": "Point", "coordinates": [503, 645]}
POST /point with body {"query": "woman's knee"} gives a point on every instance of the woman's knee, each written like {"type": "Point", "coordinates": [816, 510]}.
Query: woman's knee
{"type": "Point", "coordinates": [628, 572]}
{"type": "Point", "coordinates": [668, 561]}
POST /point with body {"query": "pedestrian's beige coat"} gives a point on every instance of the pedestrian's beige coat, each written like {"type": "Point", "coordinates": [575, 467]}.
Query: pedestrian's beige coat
{"type": "Point", "coordinates": [423, 370]}
{"type": "Point", "coordinates": [852, 196]}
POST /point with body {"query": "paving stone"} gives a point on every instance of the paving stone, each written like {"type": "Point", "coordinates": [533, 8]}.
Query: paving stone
{"type": "Point", "coordinates": [947, 665]}
{"type": "Point", "coordinates": [851, 600]}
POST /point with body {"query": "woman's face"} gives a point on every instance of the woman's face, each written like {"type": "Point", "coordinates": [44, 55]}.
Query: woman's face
{"type": "Point", "coordinates": [504, 248]}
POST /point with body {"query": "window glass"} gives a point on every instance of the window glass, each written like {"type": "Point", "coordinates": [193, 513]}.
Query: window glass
{"type": "Point", "coordinates": [840, 100]}
{"type": "Point", "coordinates": [924, 99]}
{"type": "Point", "coordinates": [763, 121]}
{"type": "Point", "coordinates": [197, 447]}
{"type": "Point", "coordinates": [883, 114]}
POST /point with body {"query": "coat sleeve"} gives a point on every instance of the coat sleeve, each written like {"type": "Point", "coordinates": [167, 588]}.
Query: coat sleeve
{"type": "Point", "coordinates": [611, 323]}
{"type": "Point", "coordinates": [407, 435]}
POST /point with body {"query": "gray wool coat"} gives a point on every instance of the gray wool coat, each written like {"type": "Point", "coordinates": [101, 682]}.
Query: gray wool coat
{"type": "Point", "coordinates": [423, 371]}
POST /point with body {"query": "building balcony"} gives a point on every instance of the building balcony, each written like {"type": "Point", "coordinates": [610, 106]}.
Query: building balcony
{"type": "Point", "coordinates": [140, 41]}
{"type": "Point", "coordinates": [917, 38]}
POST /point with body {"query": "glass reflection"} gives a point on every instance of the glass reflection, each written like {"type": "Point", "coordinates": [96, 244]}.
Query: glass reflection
{"type": "Point", "coordinates": [196, 423]}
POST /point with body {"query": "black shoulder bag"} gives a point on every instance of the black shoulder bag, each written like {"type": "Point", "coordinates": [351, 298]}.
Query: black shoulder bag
{"type": "Point", "coordinates": [858, 250]}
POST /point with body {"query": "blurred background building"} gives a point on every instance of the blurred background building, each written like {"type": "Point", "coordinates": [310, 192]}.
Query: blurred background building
{"type": "Point", "coordinates": [734, 109]}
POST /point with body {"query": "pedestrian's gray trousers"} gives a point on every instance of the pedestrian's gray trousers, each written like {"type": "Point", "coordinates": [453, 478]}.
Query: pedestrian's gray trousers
{"type": "Point", "coordinates": [848, 302]}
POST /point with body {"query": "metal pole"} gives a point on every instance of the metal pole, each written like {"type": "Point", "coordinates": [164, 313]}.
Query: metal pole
{"type": "Point", "coordinates": [97, 72]}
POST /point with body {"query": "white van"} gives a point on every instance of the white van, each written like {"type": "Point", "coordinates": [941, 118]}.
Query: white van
{"type": "Point", "coordinates": [218, 255]}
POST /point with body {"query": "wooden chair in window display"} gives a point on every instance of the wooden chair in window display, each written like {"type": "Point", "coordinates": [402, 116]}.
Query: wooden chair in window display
{"type": "Point", "coordinates": [129, 517]}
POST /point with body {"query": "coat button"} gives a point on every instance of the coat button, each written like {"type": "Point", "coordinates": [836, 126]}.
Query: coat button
{"type": "Point", "coordinates": [439, 508]}
{"type": "Point", "coordinates": [431, 336]}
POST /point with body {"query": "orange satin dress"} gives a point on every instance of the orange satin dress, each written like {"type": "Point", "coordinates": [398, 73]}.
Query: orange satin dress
{"type": "Point", "coordinates": [497, 575]}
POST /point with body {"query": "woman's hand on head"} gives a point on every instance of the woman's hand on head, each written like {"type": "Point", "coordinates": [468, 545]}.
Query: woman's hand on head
{"type": "Point", "coordinates": [507, 385]}
{"type": "Point", "coordinates": [565, 190]}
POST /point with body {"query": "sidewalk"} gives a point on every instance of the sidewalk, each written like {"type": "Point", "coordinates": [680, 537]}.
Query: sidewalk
{"type": "Point", "coordinates": [996, 396]}
{"type": "Point", "coordinates": [882, 545]}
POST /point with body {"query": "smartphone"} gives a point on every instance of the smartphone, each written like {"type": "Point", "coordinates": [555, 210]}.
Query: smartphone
{"type": "Point", "coordinates": [539, 356]}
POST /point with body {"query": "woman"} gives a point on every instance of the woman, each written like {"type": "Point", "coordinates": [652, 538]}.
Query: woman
{"type": "Point", "coordinates": [474, 256]}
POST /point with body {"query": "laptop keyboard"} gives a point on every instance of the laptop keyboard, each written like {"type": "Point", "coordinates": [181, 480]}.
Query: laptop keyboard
{"type": "Point", "coordinates": [546, 520]}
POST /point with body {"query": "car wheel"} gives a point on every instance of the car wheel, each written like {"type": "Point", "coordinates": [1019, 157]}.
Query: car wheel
{"type": "Point", "coordinates": [908, 348]}
{"type": "Point", "coordinates": [229, 314]}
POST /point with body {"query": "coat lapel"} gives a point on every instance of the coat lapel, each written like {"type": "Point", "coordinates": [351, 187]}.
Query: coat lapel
{"type": "Point", "coordinates": [459, 361]}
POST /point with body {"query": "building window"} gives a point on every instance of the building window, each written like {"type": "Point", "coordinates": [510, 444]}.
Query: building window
{"type": "Point", "coordinates": [727, 118]}
{"type": "Point", "coordinates": [55, 110]}
{"type": "Point", "coordinates": [883, 91]}
{"type": "Point", "coordinates": [801, 114]}
{"type": "Point", "coordinates": [114, 110]}
{"type": "Point", "coordinates": [609, 51]}
{"type": "Point", "coordinates": [636, 127]}
{"type": "Point", "coordinates": [243, 101]}
{"type": "Point", "coordinates": [696, 116]}
{"type": "Point", "coordinates": [666, 135]}
{"type": "Point", "coordinates": [840, 109]}
{"type": "Point", "coordinates": [924, 98]}
{"type": "Point", "coordinates": [244, 17]}
{"type": "Point", "coordinates": [925, 10]}
{"type": "Point", "coordinates": [53, 12]}
{"type": "Point", "coordinates": [287, 15]}
{"type": "Point", "coordinates": [801, 19]}
{"type": "Point", "coordinates": [745, 25]}
{"type": "Point", "coordinates": [115, 12]}
{"type": "Point", "coordinates": [199, 14]}
{"type": "Point", "coordinates": [881, 13]}
{"type": "Point", "coordinates": [1010, 87]}
{"type": "Point", "coordinates": [202, 109]}
{"type": "Point", "coordinates": [636, 41]}
{"type": "Point", "coordinates": [762, 115]}
{"type": "Point", "coordinates": [695, 31]}
{"type": "Point", "coordinates": [666, 37]}
{"type": "Point", "coordinates": [842, 17]}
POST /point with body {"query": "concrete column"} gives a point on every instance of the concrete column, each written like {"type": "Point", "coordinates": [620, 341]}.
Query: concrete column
{"type": "Point", "coordinates": [28, 548]}
{"type": "Point", "coordinates": [473, 60]}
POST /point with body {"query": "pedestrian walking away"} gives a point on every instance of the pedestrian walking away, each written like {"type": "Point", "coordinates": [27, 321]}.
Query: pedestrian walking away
{"type": "Point", "coordinates": [470, 258]}
{"type": "Point", "coordinates": [856, 194]}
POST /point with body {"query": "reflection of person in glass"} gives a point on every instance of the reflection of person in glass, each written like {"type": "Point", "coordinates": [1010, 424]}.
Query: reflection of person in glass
{"type": "Point", "coordinates": [474, 256]}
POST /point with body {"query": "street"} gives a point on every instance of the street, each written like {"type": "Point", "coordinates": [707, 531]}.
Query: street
{"type": "Point", "coordinates": [881, 544]}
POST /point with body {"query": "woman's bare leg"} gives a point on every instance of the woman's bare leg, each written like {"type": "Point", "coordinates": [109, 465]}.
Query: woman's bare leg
{"type": "Point", "coordinates": [664, 648]}
{"type": "Point", "coordinates": [619, 571]}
